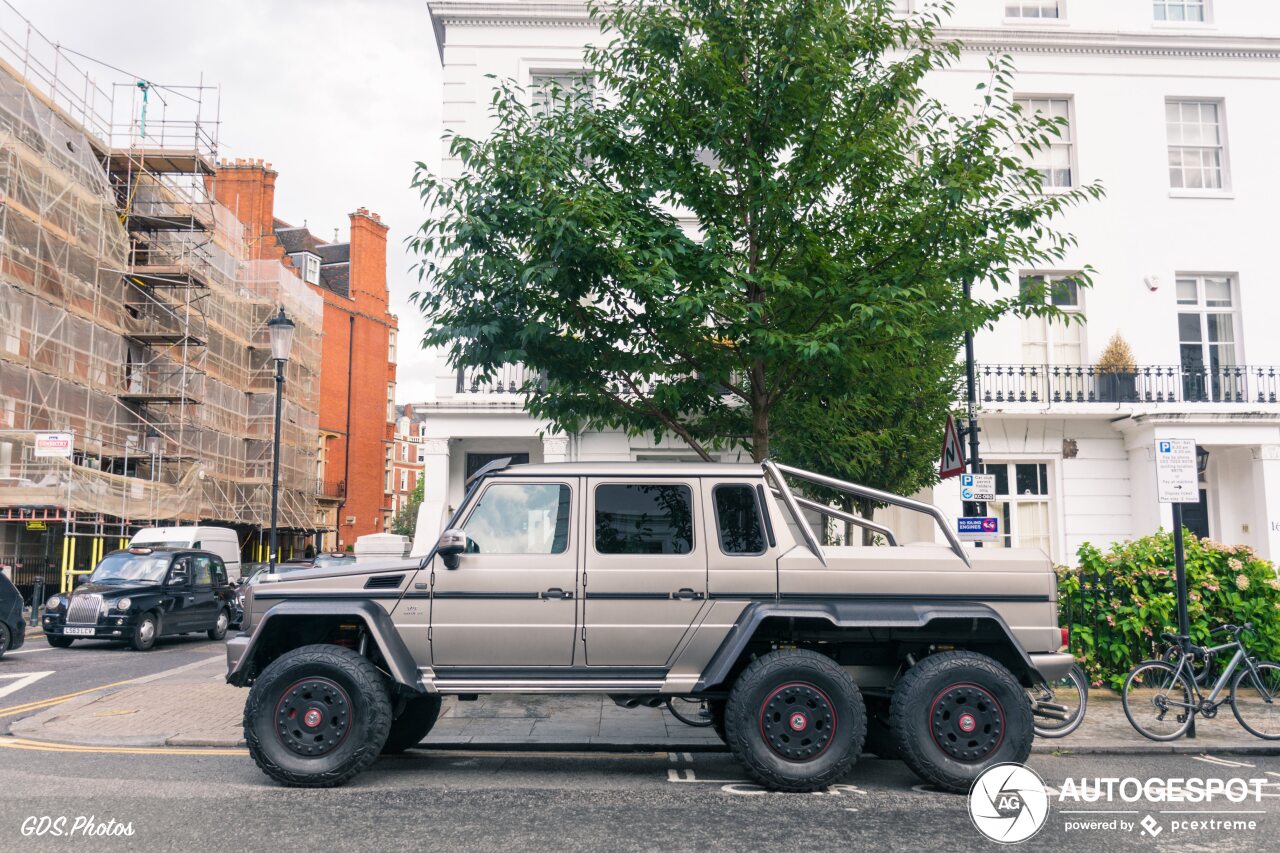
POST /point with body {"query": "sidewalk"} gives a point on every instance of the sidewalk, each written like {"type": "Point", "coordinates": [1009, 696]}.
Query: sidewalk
{"type": "Point", "coordinates": [195, 707]}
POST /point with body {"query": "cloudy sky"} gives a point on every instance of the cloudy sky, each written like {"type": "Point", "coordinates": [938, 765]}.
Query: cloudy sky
{"type": "Point", "coordinates": [340, 96]}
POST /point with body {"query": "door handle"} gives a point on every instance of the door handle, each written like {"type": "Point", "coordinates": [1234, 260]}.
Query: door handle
{"type": "Point", "coordinates": [191, 598]}
{"type": "Point", "coordinates": [556, 592]}
{"type": "Point", "coordinates": [686, 594]}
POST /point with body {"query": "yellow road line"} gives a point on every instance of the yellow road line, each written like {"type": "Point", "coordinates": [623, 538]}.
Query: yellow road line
{"type": "Point", "coordinates": [45, 746]}
{"type": "Point", "coordinates": [55, 700]}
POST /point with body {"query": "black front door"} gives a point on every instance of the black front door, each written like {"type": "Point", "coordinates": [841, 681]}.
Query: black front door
{"type": "Point", "coordinates": [1195, 517]}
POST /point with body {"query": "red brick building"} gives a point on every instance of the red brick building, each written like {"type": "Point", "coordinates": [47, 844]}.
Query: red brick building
{"type": "Point", "coordinates": [406, 459]}
{"type": "Point", "coordinates": [358, 362]}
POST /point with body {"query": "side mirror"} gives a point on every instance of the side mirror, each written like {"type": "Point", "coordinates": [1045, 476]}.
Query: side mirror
{"type": "Point", "coordinates": [452, 543]}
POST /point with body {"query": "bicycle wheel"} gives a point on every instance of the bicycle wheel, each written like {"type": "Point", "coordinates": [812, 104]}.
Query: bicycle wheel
{"type": "Point", "coordinates": [1256, 700]}
{"type": "Point", "coordinates": [1157, 700]}
{"type": "Point", "coordinates": [691, 712]}
{"type": "Point", "coordinates": [1072, 692]}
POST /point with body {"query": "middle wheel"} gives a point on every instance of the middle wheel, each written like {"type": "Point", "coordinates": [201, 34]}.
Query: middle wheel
{"type": "Point", "coordinates": [796, 720]}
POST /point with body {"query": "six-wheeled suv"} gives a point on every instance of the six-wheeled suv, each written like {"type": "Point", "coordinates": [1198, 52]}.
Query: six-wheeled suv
{"type": "Point", "coordinates": [141, 594]}
{"type": "Point", "coordinates": [647, 581]}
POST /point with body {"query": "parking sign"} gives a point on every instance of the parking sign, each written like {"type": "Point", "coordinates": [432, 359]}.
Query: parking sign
{"type": "Point", "coordinates": [1177, 480]}
{"type": "Point", "coordinates": [977, 487]}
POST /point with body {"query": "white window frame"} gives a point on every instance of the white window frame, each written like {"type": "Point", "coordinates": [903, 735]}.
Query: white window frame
{"type": "Point", "coordinates": [391, 346]}
{"type": "Point", "coordinates": [391, 402]}
{"type": "Point", "coordinates": [1050, 498]}
{"type": "Point", "coordinates": [1034, 19]}
{"type": "Point", "coordinates": [1203, 310]}
{"type": "Point", "coordinates": [1224, 148]}
{"type": "Point", "coordinates": [1207, 5]}
{"type": "Point", "coordinates": [310, 268]}
{"type": "Point", "coordinates": [404, 479]}
{"type": "Point", "coordinates": [1054, 327]}
{"type": "Point", "coordinates": [537, 70]}
{"type": "Point", "coordinates": [1027, 101]}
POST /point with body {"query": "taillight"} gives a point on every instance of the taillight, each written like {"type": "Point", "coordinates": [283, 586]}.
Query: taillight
{"type": "Point", "coordinates": [1066, 637]}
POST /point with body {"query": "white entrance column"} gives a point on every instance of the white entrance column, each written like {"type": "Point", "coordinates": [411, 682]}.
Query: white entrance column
{"type": "Point", "coordinates": [555, 449]}
{"type": "Point", "coordinates": [1266, 489]}
{"type": "Point", "coordinates": [435, 495]}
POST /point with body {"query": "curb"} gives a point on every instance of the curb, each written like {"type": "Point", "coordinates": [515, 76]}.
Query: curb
{"type": "Point", "coordinates": [1154, 749]}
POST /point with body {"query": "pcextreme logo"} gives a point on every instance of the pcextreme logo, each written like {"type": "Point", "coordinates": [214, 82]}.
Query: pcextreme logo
{"type": "Point", "coordinates": [1008, 803]}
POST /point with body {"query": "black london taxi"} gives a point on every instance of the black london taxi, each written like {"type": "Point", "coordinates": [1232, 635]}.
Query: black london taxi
{"type": "Point", "coordinates": [141, 594]}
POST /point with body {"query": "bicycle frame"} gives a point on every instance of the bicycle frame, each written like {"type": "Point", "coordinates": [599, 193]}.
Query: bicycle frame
{"type": "Point", "coordinates": [1221, 684]}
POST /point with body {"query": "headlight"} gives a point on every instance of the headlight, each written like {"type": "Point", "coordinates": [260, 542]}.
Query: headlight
{"type": "Point", "coordinates": [123, 604]}
{"type": "Point", "coordinates": [53, 603]}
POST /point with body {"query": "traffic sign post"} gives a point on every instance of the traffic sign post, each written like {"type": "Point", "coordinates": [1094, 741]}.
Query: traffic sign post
{"type": "Point", "coordinates": [1178, 482]}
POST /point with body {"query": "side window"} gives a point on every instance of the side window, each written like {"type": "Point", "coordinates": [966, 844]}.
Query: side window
{"type": "Point", "coordinates": [201, 572]}
{"type": "Point", "coordinates": [219, 572]}
{"type": "Point", "coordinates": [738, 520]}
{"type": "Point", "coordinates": [643, 519]}
{"type": "Point", "coordinates": [520, 518]}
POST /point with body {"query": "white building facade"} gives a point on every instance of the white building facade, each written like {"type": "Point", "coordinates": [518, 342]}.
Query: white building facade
{"type": "Point", "coordinates": [1174, 105]}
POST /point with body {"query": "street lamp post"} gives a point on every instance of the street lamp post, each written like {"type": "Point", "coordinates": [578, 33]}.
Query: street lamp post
{"type": "Point", "coordinates": [281, 329]}
{"type": "Point", "coordinates": [154, 445]}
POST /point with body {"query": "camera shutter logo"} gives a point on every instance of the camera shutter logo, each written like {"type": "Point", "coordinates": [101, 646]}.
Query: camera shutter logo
{"type": "Point", "coordinates": [1008, 803]}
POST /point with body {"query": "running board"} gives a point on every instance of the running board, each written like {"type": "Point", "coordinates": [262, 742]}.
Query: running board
{"type": "Point", "coordinates": [544, 685]}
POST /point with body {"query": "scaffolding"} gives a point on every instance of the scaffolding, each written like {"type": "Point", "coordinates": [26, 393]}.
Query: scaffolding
{"type": "Point", "coordinates": [133, 316]}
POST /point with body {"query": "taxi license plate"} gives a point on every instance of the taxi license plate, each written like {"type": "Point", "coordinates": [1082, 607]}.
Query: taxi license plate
{"type": "Point", "coordinates": [79, 632]}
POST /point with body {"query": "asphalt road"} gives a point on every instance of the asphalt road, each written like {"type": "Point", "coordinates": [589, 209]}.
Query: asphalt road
{"type": "Point", "coordinates": [193, 800]}
{"type": "Point", "coordinates": [38, 672]}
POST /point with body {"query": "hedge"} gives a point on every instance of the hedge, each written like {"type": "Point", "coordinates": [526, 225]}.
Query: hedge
{"type": "Point", "coordinates": [1118, 603]}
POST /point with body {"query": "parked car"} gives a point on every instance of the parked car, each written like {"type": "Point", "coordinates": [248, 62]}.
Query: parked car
{"type": "Point", "coordinates": [141, 594]}
{"type": "Point", "coordinates": [707, 582]}
{"type": "Point", "coordinates": [254, 574]}
{"type": "Point", "coordinates": [12, 628]}
{"type": "Point", "coordinates": [218, 540]}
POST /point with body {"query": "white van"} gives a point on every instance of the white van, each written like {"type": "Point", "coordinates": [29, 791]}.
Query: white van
{"type": "Point", "coordinates": [218, 540]}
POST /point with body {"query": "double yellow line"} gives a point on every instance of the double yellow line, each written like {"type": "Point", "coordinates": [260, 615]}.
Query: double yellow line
{"type": "Point", "coordinates": [41, 704]}
{"type": "Point", "coordinates": [44, 746]}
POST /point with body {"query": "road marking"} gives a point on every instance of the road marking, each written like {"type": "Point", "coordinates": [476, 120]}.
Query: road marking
{"type": "Point", "coordinates": [34, 651]}
{"type": "Point", "coordinates": [41, 704]}
{"type": "Point", "coordinates": [24, 680]}
{"type": "Point", "coordinates": [45, 746]}
{"type": "Point", "coordinates": [1211, 759]}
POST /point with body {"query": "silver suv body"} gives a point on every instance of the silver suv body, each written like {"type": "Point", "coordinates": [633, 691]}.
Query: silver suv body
{"type": "Point", "coordinates": [648, 580]}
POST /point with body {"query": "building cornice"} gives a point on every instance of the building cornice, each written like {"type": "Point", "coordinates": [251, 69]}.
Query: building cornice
{"type": "Point", "coordinates": [540, 13]}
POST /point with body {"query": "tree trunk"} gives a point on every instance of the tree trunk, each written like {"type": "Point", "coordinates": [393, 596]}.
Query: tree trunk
{"type": "Point", "coordinates": [866, 509]}
{"type": "Point", "coordinates": [759, 434]}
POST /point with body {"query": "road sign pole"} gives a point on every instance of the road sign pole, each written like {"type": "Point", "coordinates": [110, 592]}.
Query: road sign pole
{"type": "Point", "coordinates": [970, 370]}
{"type": "Point", "coordinates": [1180, 573]}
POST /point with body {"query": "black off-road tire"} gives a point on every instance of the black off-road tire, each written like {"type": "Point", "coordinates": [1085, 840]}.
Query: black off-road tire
{"type": "Point", "coordinates": [717, 707]}
{"type": "Point", "coordinates": [219, 629]}
{"type": "Point", "coordinates": [141, 640]}
{"type": "Point", "coordinates": [795, 720]}
{"type": "Point", "coordinates": [59, 642]}
{"type": "Point", "coordinates": [414, 723]}
{"type": "Point", "coordinates": [880, 740]}
{"type": "Point", "coordinates": [4, 639]}
{"type": "Point", "coordinates": [357, 699]}
{"type": "Point", "coordinates": [955, 714]}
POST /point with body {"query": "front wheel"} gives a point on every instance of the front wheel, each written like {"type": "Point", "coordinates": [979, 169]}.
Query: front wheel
{"type": "Point", "coordinates": [59, 642]}
{"type": "Point", "coordinates": [1061, 711]}
{"type": "Point", "coordinates": [1157, 700]}
{"type": "Point", "coordinates": [1255, 700]}
{"type": "Point", "coordinates": [317, 716]}
{"type": "Point", "coordinates": [144, 633]}
{"type": "Point", "coordinates": [4, 639]}
{"type": "Point", "coordinates": [795, 719]}
{"type": "Point", "coordinates": [955, 714]}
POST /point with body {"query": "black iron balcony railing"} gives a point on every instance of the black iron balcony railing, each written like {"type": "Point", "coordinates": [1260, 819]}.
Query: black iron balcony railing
{"type": "Point", "coordinates": [507, 379]}
{"type": "Point", "coordinates": [1047, 383]}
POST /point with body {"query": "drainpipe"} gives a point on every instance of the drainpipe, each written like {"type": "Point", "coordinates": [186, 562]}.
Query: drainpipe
{"type": "Point", "coordinates": [346, 457]}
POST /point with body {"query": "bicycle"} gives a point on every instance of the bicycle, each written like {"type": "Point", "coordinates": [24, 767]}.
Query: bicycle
{"type": "Point", "coordinates": [691, 712]}
{"type": "Point", "coordinates": [1057, 707]}
{"type": "Point", "coordinates": [1166, 696]}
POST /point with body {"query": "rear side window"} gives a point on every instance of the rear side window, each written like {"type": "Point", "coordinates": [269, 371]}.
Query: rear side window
{"type": "Point", "coordinates": [200, 575]}
{"type": "Point", "coordinates": [520, 518]}
{"type": "Point", "coordinates": [644, 519]}
{"type": "Point", "coordinates": [738, 520]}
{"type": "Point", "coordinates": [219, 573]}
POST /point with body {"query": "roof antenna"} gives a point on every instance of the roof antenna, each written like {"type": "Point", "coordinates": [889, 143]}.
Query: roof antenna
{"type": "Point", "coordinates": [335, 234]}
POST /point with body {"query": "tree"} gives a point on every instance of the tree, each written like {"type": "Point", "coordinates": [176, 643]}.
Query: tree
{"type": "Point", "coordinates": [405, 522]}
{"type": "Point", "coordinates": [761, 206]}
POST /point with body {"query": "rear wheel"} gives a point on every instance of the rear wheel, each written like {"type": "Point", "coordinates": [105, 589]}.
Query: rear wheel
{"type": "Point", "coordinates": [1255, 699]}
{"type": "Point", "coordinates": [317, 716]}
{"type": "Point", "coordinates": [414, 723]}
{"type": "Point", "coordinates": [955, 714]}
{"type": "Point", "coordinates": [795, 720]}
{"type": "Point", "coordinates": [59, 642]}
{"type": "Point", "coordinates": [219, 629]}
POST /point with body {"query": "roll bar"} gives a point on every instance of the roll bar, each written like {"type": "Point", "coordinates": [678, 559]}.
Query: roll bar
{"type": "Point", "coordinates": [840, 514]}
{"type": "Point", "coordinates": [775, 472]}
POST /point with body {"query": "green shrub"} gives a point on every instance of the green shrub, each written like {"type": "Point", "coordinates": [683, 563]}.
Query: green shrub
{"type": "Point", "coordinates": [1118, 603]}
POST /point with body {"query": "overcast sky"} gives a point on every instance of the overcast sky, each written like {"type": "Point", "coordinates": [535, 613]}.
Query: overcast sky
{"type": "Point", "coordinates": [340, 96]}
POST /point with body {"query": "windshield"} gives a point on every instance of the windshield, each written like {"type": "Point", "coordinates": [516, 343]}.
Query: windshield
{"type": "Point", "coordinates": [174, 545]}
{"type": "Point", "coordinates": [281, 569]}
{"type": "Point", "coordinates": [333, 560]}
{"type": "Point", "coordinates": [131, 567]}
